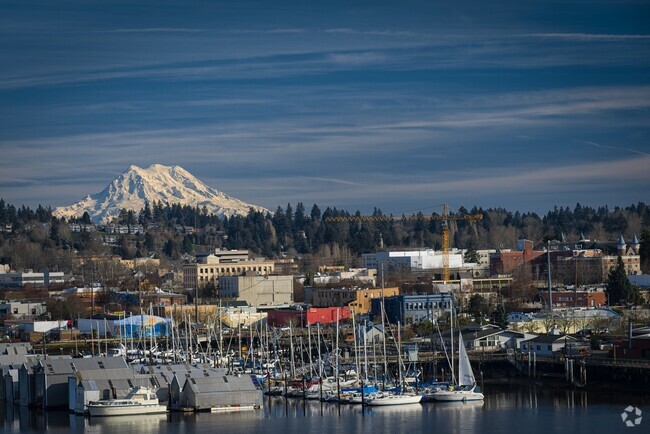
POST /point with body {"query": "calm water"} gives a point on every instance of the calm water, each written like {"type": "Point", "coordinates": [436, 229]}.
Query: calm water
{"type": "Point", "coordinates": [516, 409]}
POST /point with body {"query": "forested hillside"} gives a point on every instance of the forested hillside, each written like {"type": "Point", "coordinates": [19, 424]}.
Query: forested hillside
{"type": "Point", "coordinates": [35, 239]}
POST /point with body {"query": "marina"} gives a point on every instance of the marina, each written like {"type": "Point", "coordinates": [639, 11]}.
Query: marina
{"type": "Point", "coordinates": [505, 409]}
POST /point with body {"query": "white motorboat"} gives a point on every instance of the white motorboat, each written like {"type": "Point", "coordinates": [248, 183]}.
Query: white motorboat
{"type": "Point", "coordinates": [140, 400]}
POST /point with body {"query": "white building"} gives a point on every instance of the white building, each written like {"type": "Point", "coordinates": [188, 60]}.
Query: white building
{"type": "Point", "coordinates": [364, 275]}
{"type": "Point", "coordinates": [547, 345]}
{"type": "Point", "coordinates": [414, 260]}
{"type": "Point", "coordinates": [19, 280]}
{"type": "Point", "coordinates": [21, 309]}
{"type": "Point", "coordinates": [519, 317]}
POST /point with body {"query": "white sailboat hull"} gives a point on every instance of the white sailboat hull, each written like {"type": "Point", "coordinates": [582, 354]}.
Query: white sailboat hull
{"type": "Point", "coordinates": [394, 400]}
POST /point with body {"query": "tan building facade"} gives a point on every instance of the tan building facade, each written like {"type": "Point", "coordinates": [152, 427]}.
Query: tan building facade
{"type": "Point", "coordinates": [209, 267]}
{"type": "Point", "coordinates": [199, 275]}
{"type": "Point", "coordinates": [363, 302]}
{"type": "Point", "coordinates": [258, 290]}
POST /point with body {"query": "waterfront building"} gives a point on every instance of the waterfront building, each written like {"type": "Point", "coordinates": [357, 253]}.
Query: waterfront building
{"type": "Point", "coordinates": [483, 337]}
{"type": "Point", "coordinates": [110, 378]}
{"type": "Point", "coordinates": [213, 390]}
{"type": "Point", "coordinates": [547, 345]}
{"type": "Point", "coordinates": [51, 377]}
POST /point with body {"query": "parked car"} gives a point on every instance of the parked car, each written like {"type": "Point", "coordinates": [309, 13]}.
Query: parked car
{"type": "Point", "coordinates": [605, 344]}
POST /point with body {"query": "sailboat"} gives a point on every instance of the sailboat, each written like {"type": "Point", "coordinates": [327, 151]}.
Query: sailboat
{"type": "Point", "coordinates": [390, 398]}
{"type": "Point", "coordinates": [467, 389]}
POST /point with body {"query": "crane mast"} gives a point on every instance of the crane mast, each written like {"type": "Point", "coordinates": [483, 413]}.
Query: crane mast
{"type": "Point", "coordinates": [444, 219]}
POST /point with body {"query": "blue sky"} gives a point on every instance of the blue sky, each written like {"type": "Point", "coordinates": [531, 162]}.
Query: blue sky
{"type": "Point", "coordinates": [398, 105]}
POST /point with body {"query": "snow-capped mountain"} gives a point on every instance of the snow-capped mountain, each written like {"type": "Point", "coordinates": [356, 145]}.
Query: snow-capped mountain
{"type": "Point", "coordinates": [169, 185]}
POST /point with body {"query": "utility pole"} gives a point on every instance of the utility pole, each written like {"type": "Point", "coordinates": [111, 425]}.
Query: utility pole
{"type": "Point", "coordinates": [196, 305]}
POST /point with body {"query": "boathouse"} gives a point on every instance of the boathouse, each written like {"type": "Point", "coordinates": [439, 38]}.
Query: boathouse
{"type": "Point", "coordinates": [105, 383]}
{"type": "Point", "coordinates": [51, 378]}
{"type": "Point", "coordinates": [211, 392]}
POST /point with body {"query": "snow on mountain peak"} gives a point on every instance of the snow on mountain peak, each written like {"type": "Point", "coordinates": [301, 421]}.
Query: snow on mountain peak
{"type": "Point", "coordinates": [157, 183]}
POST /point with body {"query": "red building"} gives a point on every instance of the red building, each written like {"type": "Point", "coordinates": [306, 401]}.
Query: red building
{"type": "Point", "coordinates": [507, 262]}
{"type": "Point", "coordinates": [640, 348]}
{"type": "Point", "coordinates": [577, 298]}
{"type": "Point", "coordinates": [301, 318]}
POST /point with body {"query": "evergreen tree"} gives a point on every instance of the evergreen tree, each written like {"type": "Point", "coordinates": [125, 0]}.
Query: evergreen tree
{"type": "Point", "coordinates": [619, 289]}
{"type": "Point", "coordinates": [500, 318]}
{"type": "Point", "coordinates": [315, 212]}
{"type": "Point", "coordinates": [476, 305]}
{"type": "Point", "coordinates": [644, 251]}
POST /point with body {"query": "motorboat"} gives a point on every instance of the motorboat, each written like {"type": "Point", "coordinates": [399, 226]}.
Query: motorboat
{"type": "Point", "coordinates": [140, 400]}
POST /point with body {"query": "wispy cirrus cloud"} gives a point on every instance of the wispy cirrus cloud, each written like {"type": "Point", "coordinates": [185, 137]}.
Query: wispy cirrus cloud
{"type": "Point", "coordinates": [401, 33]}
{"type": "Point", "coordinates": [588, 36]}
{"type": "Point", "coordinates": [616, 148]}
{"type": "Point", "coordinates": [151, 30]}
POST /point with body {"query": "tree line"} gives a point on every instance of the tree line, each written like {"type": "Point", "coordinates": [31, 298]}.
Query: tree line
{"type": "Point", "coordinates": [296, 232]}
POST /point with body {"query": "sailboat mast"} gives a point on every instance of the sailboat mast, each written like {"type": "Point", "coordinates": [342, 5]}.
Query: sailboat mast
{"type": "Point", "coordinates": [355, 346]}
{"type": "Point", "coordinates": [320, 362]}
{"type": "Point", "coordinates": [399, 353]}
{"type": "Point", "coordinates": [451, 334]}
{"type": "Point", "coordinates": [291, 348]}
{"type": "Point", "coordinates": [383, 325]}
{"type": "Point", "coordinates": [365, 350]}
{"type": "Point", "coordinates": [338, 367]}
{"type": "Point", "coordinates": [311, 366]}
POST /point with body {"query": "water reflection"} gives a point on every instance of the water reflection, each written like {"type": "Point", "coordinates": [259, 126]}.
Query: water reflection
{"type": "Point", "coordinates": [405, 409]}
{"type": "Point", "coordinates": [464, 407]}
{"type": "Point", "coordinates": [143, 424]}
{"type": "Point", "coordinates": [551, 409]}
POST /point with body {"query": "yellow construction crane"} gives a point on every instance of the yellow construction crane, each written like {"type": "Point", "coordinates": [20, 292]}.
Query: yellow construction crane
{"type": "Point", "coordinates": [444, 218]}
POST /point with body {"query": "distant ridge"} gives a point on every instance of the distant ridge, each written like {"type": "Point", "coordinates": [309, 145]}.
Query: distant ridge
{"type": "Point", "coordinates": [157, 183]}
